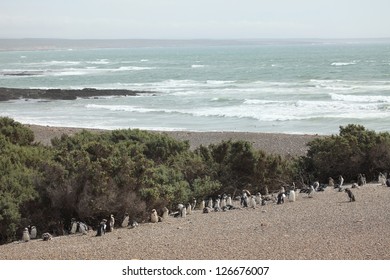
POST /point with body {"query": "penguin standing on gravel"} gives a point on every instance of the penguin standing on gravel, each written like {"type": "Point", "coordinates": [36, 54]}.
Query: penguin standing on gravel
{"type": "Point", "coordinates": [26, 235]}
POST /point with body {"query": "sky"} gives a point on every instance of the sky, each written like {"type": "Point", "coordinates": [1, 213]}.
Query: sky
{"type": "Point", "coordinates": [194, 19]}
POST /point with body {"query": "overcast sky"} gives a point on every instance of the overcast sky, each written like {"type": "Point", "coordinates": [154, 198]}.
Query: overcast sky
{"type": "Point", "coordinates": [194, 19]}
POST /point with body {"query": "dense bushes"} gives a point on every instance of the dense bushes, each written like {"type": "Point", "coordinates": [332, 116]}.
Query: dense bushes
{"type": "Point", "coordinates": [91, 175]}
{"type": "Point", "coordinates": [355, 150]}
{"type": "Point", "coordinates": [18, 174]}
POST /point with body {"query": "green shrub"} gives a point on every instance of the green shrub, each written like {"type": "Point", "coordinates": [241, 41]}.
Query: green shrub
{"type": "Point", "coordinates": [355, 150]}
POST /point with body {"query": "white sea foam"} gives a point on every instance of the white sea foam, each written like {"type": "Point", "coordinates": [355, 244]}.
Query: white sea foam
{"type": "Point", "coordinates": [103, 61]}
{"type": "Point", "coordinates": [360, 98]}
{"type": "Point", "coordinates": [344, 63]}
{"type": "Point", "coordinates": [197, 66]}
{"type": "Point", "coordinates": [132, 68]}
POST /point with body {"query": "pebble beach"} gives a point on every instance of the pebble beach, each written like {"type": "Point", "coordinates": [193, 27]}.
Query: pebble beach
{"type": "Point", "coordinates": [324, 227]}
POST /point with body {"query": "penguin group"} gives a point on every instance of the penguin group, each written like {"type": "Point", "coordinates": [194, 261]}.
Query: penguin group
{"type": "Point", "coordinates": [218, 203]}
{"type": "Point", "coordinates": [31, 232]}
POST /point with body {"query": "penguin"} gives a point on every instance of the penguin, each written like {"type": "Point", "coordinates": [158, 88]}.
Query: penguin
{"type": "Point", "coordinates": [311, 192]}
{"type": "Point", "coordinates": [217, 205]}
{"type": "Point", "coordinates": [253, 202]}
{"type": "Point", "coordinates": [291, 196]}
{"type": "Point", "coordinates": [210, 203]}
{"type": "Point", "coordinates": [202, 205]}
{"type": "Point", "coordinates": [165, 214]}
{"type": "Point", "coordinates": [47, 236]}
{"type": "Point", "coordinates": [183, 212]}
{"type": "Point", "coordinates": [189, 209]}
{"type": "Point", "coordinates": [26, 235]}
{"type": "Point", "coordinates": [33, 232]}
{"type": "Point", "coordinates": [154, 216]}
{"type": "Point", "coordinates": [101, 230]}
{"type": "Point", "coordinates": [229, 201]}
{"type": "Point", "coordinates": [350, 195]}
{"type": "Point", "coordinates": [134, 224]}
{"type": "Point", "coordinates": [223, 201]}
{"type": "Point", "coordinates": [112, 222]}
{"type": "Point", "coordinates": [125, 221]}
{"type": "Point", "coordinates": [73, 226]}
{"type": "Point", "coordinates": [193, 205]}
{"type": "Point", "coordinates": [180, 207]}
{"type": "Point", "coordinates": [258, 198]}
{"type": "Point", "coordinates": [83, 228]}
{"type": "Point", "coordinates": [244, 199]}
{"type": "Point", "coordinates": [280, 198]}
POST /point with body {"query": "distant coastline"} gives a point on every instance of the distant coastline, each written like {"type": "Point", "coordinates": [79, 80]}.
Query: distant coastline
{"type": "Point", "coordinates": [28, 44]}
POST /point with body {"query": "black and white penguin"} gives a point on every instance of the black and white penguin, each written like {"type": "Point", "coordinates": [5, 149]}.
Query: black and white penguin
{"type": "Point", "coordinates": [193, 203]}
{"type": "Point", "coordinates": [202, 205]}
{"type": "Point", "coordinates": [26, 235]}
{"type": "Point", "coordinates": [153, 216]}
{"type": "Point", "coordinates": [350, 195]}
{"type": "Point", "coordinates": [253, 202]}
{"type": "Point", "coordinates": [125, 221]}
{"type": "Point", "coordinates": [165, 214]}
{"type": "Point", "coordinates": [83, 228]}
{"type": "Point", "coordinates": [73, 226]}
{"type": "Point", "coordinates": [112, 222]}
{"type": "Point", "coordinates": [311, 192]}
{"type": "Point", "coordinates": [280, 198]}
{"type": "Point", "coordinates": [189, 209]}
{"type": "Point", "coordinates": [33, 232]}
{"type": "Point", "coordinates": [229, 201]}
{"type": "Point", "coordinates": [291, 196]}
{"type": "Point", "coordinates": [47, 236]}
{"type": "Point", "coordinates": [183, 212]}
{"type": "Point", "coordinates": [210, 203]}
{"type": "Point", "coordinates": [101, 230]}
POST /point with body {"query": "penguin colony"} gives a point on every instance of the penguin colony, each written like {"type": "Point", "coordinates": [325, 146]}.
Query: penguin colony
{"type": "Point", "coordinates": [211, 204]}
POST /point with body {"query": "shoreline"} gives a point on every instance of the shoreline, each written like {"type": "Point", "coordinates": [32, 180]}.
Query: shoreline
{"type": "Point", "coordinates": [274, 143]}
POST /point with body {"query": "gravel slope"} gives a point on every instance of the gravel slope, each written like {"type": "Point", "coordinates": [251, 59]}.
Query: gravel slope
{"type": "Point", "coordinates": [326, 226]}
{"type": "Point", "coordinates": [283, 144]}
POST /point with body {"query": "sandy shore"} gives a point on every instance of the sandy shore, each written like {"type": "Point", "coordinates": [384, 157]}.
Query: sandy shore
{"type": "Point", "coordinates": [283, 144]}
{"type": "Point", "coordinates": [325, 227]}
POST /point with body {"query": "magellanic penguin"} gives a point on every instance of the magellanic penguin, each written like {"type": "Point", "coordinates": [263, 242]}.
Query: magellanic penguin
{"type": "Point", "coordinates": [229, 201]}
{"type": "Point", "coordinates": [33, 232]}
{"type": "Point", "coordinates": [165, 214]}
{"type": "Point", "coordinates": [26, 235]}
{"type": "Point", "coordinates": [193, 205]}
{"type": "Point", "coordinates": [189, 209]}
{"type": "Point", "coordinates": [154, 216]}
{"type": "Point", "coordinates": [73, 226]}
{"type": "Point", "coordinates": [350, 195]}
{"type": "Point", "coordinates": [125, 221]}
{"type": "Point", "coordinates": [47, 236]}
{"type": "Point", "coordinates": [101, 230]}
{"type": "Point", "coordinates": [83, 228]}
{"type": "Point", "coordinates": [202, 205]}
{"type": "Point", "coordinates": [291, 196]}
{"type": "Point", "coordinates": [183, 212]}
{"type": "Point", "coordinates": [112, 222]}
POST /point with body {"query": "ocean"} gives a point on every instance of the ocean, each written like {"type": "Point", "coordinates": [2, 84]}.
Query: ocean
{"type": "Point", "coordinates": [294, 87]}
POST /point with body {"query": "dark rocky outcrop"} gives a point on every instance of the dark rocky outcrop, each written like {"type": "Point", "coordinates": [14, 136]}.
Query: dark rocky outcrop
{"type": "Point", "coordinates": [7, 94]}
